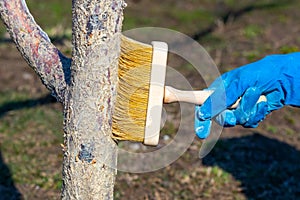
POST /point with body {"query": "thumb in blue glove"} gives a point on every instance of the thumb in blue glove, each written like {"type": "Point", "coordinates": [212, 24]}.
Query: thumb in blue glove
{"type": "Point", "coordinates": [277, 77]}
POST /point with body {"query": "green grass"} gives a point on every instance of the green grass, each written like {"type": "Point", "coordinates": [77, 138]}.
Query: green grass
{"type": "Point", "coordinates": [220, 175]}
{"type": "Point", "coordinates": [289, 49]}
{"type": "Point", "coordinates": [49, 14]}
{"type": "Point", "coordinates": [54, 14]}
{"type": "Point", "coordinates": [251, 31]}
{"type": "Point", "coordinates": [252, 55]}
{"type": "Point", "coordinates": [30, 139]}
{"type": "Point", "coordinates": [272, 129]}
{"type": "Point", "coordinates": [131, 22]}
{"type": "Point", "coordinates": [188, 16]}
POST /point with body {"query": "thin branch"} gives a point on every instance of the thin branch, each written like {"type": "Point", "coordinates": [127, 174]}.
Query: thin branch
{"type": "Point", "coordinates": [36, 48]}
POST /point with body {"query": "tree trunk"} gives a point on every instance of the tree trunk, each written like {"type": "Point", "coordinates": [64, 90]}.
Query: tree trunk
{"type": "Point", "coordinates": [87, 88]}
{"type": "Point", "coordinates": [91, 155]}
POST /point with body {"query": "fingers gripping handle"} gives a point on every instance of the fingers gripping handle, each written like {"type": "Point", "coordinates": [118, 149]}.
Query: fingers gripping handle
{"type": "Point", "coordinates": [202, 128]}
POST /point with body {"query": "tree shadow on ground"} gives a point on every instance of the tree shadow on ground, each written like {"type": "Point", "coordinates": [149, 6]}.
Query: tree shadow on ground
{"type": "Point", "coordinates": [8, 191]}
{"type": "Point", "coordinates": [17, 105]}
{"type": "Point", "coordinates": [267, 168]}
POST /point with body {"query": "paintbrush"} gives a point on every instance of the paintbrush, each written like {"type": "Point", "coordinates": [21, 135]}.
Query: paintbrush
{"type": "Point", "coordinates": [141, 92]}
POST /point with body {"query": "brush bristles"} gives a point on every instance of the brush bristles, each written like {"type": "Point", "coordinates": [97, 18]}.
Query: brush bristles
{"type": "Point", "coordinates": [133, 90]}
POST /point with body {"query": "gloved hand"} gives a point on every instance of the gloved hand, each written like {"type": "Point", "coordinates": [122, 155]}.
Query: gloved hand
{"type": "Point", "coordinates": [276, 76]}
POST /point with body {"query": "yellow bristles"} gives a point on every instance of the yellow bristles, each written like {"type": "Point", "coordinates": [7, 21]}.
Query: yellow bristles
{"type": "Point", "coordinates": [134, 73]}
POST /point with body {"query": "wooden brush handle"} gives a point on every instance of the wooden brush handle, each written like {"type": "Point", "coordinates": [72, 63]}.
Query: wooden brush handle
{"type": "Point", "coordinates": [196, 97]}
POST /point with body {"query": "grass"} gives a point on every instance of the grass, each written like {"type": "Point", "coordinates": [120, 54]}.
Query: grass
{"type": "Point", "coordinates": [49, 14]}
{"type": "Point", "coordinates": [251, 31]}
{"type": "Point", "coordinates": [252, 55]}
{"type": "Point", "coordinates": [272, 129]}
{"type": "Point", "coordinates": [52, 13]}
{"type": "Point", "coordinates": [289, 49]}
{"type": "Point", "coordinates": [131, 22]}
{"type": "Point", "coordinates": [192, 20]}
{"type": "Point", "coordinates": [30, 139]}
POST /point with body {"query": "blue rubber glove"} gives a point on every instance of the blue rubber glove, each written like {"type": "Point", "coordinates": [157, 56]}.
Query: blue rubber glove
{"type": "Point", "coordinates": [276, 76]}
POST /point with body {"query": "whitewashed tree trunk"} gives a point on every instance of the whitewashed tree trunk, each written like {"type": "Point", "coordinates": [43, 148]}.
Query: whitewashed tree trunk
{"type": "Point", "coordinates": [85, 84]}
{"type": "Point", "coordinates": [90, 150]}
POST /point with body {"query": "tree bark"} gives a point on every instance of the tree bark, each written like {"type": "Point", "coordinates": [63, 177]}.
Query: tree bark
{"type": "Point", "coordinates": [91, 155]}
{"type": "Point", "coordinates": [87, 88]}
